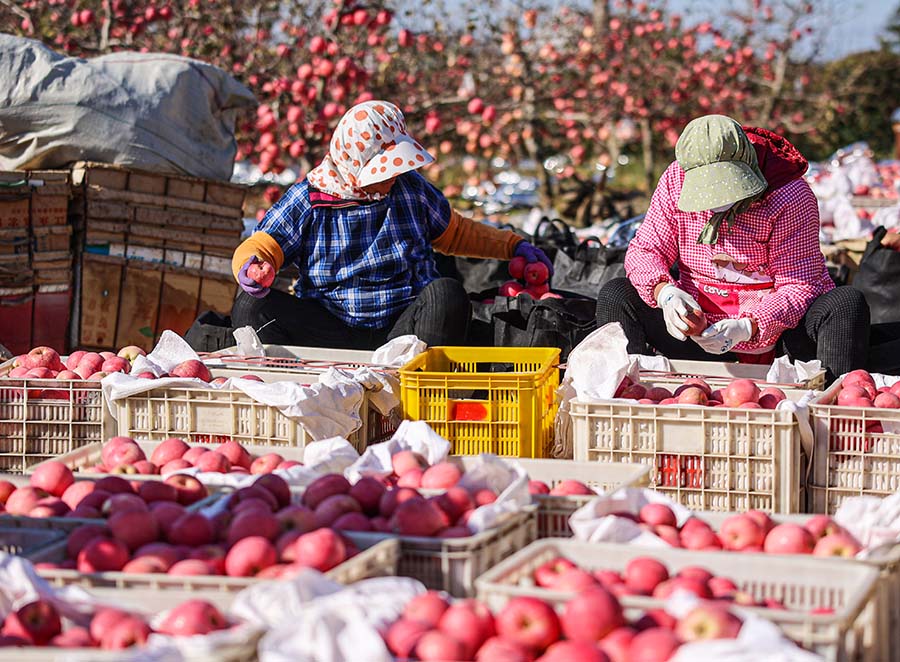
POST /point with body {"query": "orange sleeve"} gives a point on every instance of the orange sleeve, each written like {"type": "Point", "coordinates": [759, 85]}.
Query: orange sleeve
{"type": "Point", "coordinates": [469, 238]}
{"type": "Point", "coordinates": [263, 246]}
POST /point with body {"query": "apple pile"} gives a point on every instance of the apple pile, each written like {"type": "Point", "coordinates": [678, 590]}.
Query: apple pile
{"type": "Point", "coordinates": [753, 531]}
{"type": "Point", "coordinates": [53, 492]}
{"type": "Point", "coordinates": [740, 393]}
{"type": "Point", "coordinates": [567, 487]}
{"type": "Point", "coordinates": [122, 455]}
{"type": "Point", "coordinates": [534, 275]}
{"type": "Point", "coordinates": [393, 504]}
{"type": "Point", "coordinates": [591, 627]}
{"type": "Point", "coordinates": [259, 534]}
{"type": "Point", "coordinates": [38, 623]}
{"type": "Point", "coordinates": [46, 363]}
{"type": "Point", "coordinates": [858, 390]}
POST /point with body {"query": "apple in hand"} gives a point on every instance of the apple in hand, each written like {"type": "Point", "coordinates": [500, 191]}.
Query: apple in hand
{"type": "Point", "coordinates": [536, 273]}
{"type": "Point", "coordinates": [262, 272]}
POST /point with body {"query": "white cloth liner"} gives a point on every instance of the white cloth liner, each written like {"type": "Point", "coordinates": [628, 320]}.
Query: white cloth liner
{"type": "Point", "coordinates": [398, 352]}
{"type": "Point", "coordinates": [312, 619]}
{"type": "Point", "coordinates": [323, 410]}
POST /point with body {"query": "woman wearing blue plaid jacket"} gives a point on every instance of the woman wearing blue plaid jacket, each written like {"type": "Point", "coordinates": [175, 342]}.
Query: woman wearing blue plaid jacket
{"type": "Point", "coordinates": [362, 228]}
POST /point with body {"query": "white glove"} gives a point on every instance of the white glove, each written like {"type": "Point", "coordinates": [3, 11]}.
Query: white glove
{"type": "Point", "coordinates": [722, 336]}
{"type": "Point", "coordinates": [676, 304]}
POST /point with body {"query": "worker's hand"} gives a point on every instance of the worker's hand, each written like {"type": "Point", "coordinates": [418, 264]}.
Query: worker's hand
{"type": "Point", "coordinates": [533, 254]}
{"type": "Point", "coordinates": [254, 269]}
{"type": "Point", "coordinates": [722, 336]}
{"type": "Point", "coordinates": [676, 304]}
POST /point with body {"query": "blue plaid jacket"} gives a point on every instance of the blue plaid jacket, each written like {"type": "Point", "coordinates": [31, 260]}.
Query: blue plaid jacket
{"type": "Point", "coordinates": [364, 262]}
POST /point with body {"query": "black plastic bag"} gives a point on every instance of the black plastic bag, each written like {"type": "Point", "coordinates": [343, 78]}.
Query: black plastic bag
{"type": "Point", "coordinates": [589, 268]}
{"type": "Point", "coordinates": [210, 333]}
{"type": "Point", "coordinates": [523, 321]}
{"type": "Point", "coordinates": [554, 236]}
{"type": "Point", "coordinates": [879, 280]}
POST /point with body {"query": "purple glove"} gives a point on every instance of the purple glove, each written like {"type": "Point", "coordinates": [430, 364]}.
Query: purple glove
{"type": "Point", "coordinates": [249, 285]}
{"type": "Point", "coordinates": [532, 254]}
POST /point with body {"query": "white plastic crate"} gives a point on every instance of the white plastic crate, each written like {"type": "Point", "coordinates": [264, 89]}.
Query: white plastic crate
{"type": "Point", "coordinates": [705, 458]}
{"type": "Point", "coordinates": [452, 564]}
{"type": "Point", "coordinates": [82, 459]}
{"type": "Point", "coordinates": [856, 452]}
{"type": "Point", "coordinates": [554, 511]}
{"type": "Point", "coordinates": [43, 418]}
{"type": "Point", "coordinates": [146, 601]}
{"type": "Point", "coordinates": [718, 372]}
{"type": "Point", "coordinates": [801, 583]}
{"type": "Point", "coordinates": [377, 558]}
{"type": "Point", "coordinates": [886, 560]}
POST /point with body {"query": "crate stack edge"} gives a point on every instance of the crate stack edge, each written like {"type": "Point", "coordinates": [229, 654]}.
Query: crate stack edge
{"type": "Point", "coordinates": [156, 252]}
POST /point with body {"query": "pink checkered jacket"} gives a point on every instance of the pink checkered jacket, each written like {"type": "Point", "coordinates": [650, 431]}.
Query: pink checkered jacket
{"type": "Point", "coordinates": [771, 255]}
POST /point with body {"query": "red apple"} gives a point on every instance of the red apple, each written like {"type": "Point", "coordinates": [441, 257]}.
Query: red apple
{"type": "Point", "coordinates": [37, 622]}
{"type": "Point", "coordinates": [249, 556]}
{"type": "Point", "coordinates": [789, 539]}
{"type": "Point", "coordinates": [44, 357]}
{"type": "Point", "coordinates": [133, 528]}
{"type": "Point", "coordinates": [571, 651]}
{"type": "Point", "coordinates": [528, 621]}
{"type": "Point", "coordinates": [265, 464]}
{"type": "Point", "coordinates": [471, 622]}
{"type": "Point", "coordinates": [498, 649]}
{"type": "Point", "coordinates": [236, 454]}
{"type": "Point", "coordinates": [837, 544]}
{"type": "Point", "coordinates": [437, 645]}
{"type": "Point", "coordinates": [125, 633]}
{"type": "Point", "coordinates": [547, 574]}
{"type": "Point", "coordinates": [168, 450]}
{"type": "Point", "coordinates": [406, 460]}
{"type": "Point", "coordinates": [190, 490]}
{"type": "Point", "coordinates": [191, 618]}
{"type": "Point", "coordinates": [652, 645]}
{"type": "Point", "coordinates": [322, 550]}
{"type": "Point", "coordinates": [426, 608]}
{"type": "Point", "coordinates": [708, 621]}
{"type": "Point", "coordinates": [644, 574]}
{"type": "Point", "coordinates": [192, 529]}
{"type": "Point", "coordinates": [418, 517]}
{"type": "Point", "coordinates": [591, 615]}
{"type": "Point", "coordinates": [102, 555]}
{"type": "Point", "coordinates": [191, 369]}
{"type": "Point", "coordinates": [324, 487]}
{"type": "Point", "coordinates": [536, 273]}
{"type": "Point", "coordinates": [570, 487]}
{"type": "Point", "coordinates": [739, 532]}
{"type": "Point", "coordinates": [516, 267]}
{"type": "Point", "coordinates": [368, 492]}
{"type": "Point", "coordinates": [262, 272]}
{"type": "Point", "coordinates": [538, 487]}
{"type": "Point", "coordinates": [53, 477]}
{"type": "Point", "coordinates": [23, 500]}
{"type": "Point", "coordinates": [403, 635]}
{"type": "Point", "coordinates": [658, 514]}
{"type": "Point", "coordinates": [276, 486]}
{"type": "Point", "coordinates": [441, 476]}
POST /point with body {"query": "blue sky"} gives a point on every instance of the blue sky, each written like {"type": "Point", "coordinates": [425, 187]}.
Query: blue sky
{"type": "Point", "coordinates": [855, 24]}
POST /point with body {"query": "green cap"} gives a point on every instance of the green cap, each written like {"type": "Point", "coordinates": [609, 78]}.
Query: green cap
{"type": "Point", "coordinates": [719, 164]}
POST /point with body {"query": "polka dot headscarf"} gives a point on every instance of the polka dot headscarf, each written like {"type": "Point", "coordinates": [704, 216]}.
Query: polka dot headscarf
{"type": "Point", "coordinates": [370, 144]}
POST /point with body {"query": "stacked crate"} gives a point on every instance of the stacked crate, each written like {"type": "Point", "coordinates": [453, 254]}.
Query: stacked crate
{"type": "Point", "coordinates": [157, 251]}
{"type": "Point", "coordinates": [35, 259]}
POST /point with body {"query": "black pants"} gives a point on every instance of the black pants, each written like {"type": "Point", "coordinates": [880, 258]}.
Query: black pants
{"type": "Point", "coordinates": [439, 316]}
{"type": "Point", "coordinates": [834, 330]}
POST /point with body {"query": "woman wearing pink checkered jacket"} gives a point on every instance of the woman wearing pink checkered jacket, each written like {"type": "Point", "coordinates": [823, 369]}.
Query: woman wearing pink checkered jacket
{"type": "Point", "coordinates": [735, 215]}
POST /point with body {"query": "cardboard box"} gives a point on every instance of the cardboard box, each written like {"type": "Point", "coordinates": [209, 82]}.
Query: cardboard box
{"type": "Point", "coordinates": [100, 287]}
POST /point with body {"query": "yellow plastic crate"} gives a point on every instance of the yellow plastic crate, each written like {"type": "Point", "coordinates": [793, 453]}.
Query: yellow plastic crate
{"type": "Point", "coordinates": [499, 400]}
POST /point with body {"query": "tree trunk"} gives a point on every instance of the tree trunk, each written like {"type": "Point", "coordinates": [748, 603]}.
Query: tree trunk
{"type": "Point", "coordinates": [601, 17]}
{"type": "Point", "coordinates": [535, 150]}
{"type": "Point", "coordinates": [647, 148]}
{"type": "Point", "coordinates": [765, 115]}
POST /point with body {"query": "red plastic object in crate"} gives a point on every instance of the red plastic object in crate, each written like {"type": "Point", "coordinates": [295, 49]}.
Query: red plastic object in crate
{"type": "Point", "coordinates": [51, 319]}
{"type": "Point", "coordinates": [15, 321]}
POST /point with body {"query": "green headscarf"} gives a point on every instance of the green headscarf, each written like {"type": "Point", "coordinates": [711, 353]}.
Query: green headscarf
{"type": "Point", "coordinates": [720, 168]}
